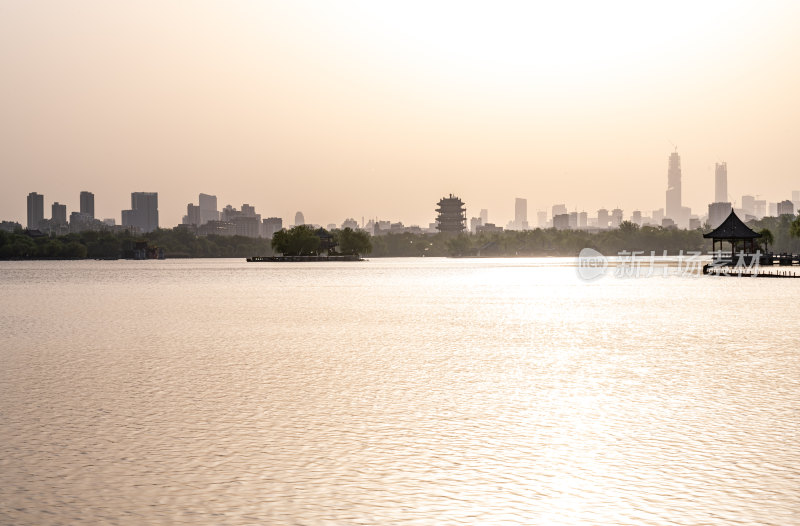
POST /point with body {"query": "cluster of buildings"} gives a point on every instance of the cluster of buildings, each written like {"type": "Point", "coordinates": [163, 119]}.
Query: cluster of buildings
{"type": "Point", "coordinates": [59, 223]}
{"type": "Point", "coordinates": [142, 216]}
{"type": "Point", "coordinates": [674, 214]}
{"type": "Point", "coordinates": [205, 218]}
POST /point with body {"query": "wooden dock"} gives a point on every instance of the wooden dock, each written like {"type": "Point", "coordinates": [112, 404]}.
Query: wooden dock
{"type": "Point", "coordinates": [299, 259]}
{"type": "Point", "coordinates": [743, 265]}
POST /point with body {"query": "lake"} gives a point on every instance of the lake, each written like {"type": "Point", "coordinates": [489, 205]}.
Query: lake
{"type": "Point", "coordinates": [394, 391]}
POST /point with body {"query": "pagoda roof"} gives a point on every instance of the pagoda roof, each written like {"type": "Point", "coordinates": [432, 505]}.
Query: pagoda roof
{"type": "Point", "coordinates": [732, 228]}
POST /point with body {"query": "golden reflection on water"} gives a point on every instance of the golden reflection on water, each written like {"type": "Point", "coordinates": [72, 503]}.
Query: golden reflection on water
{"type": "Point", "coordinates": [394, 391]}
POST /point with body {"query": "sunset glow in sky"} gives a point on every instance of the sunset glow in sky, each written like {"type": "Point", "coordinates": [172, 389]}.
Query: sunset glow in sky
{"type": "Point", "coordinates": [377, 109]}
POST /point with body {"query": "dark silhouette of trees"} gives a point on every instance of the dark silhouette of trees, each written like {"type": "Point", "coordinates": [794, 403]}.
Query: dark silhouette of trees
{"type": "Point", "coordinates": [297, 241]}
{"type": "Point", "coordinates": [767, 238]}
{"type": "Point", "coordinates": [352, 242]}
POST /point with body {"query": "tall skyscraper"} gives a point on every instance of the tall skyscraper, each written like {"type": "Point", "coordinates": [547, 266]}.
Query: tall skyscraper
{"type": "Point", "coordinates": [602, 218]}
{"type": "Point", "coordinates": [59, 213]}
{"type": "Point", "coordinates": [299, 219]}
{"type": "Point", "coordinates": [785, 208]}
{"type": "Point", "coordinates": [35, 210]}
{"type": "Point", "coordinates": [208, 208]}
{"type": "Point", "coordinates": [143, 213]}
{"type": "Point", "coordinates": [720, 182]}
{"type": "Point", "coordinates": [616, 218]}
{"type": "Point", "coordinates": [541, 219]}
{"type": "Point", "coordinates": [673, 209]}
{"type": "Point", "coordinates": [521, 213]}
{"type": "Point", "coordinates": [192, 216]}
{"type": "Point", "coordinates": [717, 213]}
{"type": "Point", "coordinates": [583, 220]}
{"type": "Point", "coordinates": [271, 225]}
{"type": "Point", "coordinates": [748, 205]}
{"type": "Point", "coordinates": [484, 215]}
{"type": "Point", "coordinates": [203, 212]}
{"type": "Point", "coordinates": [87, 204]}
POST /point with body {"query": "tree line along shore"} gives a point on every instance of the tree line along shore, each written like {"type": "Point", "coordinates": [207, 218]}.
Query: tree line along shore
{"type": "Point", "coordinates": [782, 235]}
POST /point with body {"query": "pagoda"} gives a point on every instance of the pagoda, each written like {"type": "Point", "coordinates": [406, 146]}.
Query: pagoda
{"type": "Point", "coordinates": [741, 237]}
{"type": "Point", "coordinates": [452, 215]}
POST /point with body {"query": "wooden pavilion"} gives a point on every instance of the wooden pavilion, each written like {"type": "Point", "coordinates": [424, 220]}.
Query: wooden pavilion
{"type": "Point", "coordinates": [741, 237]}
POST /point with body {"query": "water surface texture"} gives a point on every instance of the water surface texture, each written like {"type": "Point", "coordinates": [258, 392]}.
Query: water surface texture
{"type": "Point", "coordinates": [400, 391]}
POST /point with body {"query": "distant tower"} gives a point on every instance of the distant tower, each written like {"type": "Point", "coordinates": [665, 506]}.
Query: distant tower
{"type": "Point", "coordinates": [521, 214]}
{"type": "Point", "coordinates": [673, 209]}
{"type": "Point", "coordinates": [602, 218]}
{"type": "Point", "coordinates": [484, 215]}
{"type": "Point", "coordinates": [35, 210]}
{"type": "Point", "coordinates": [59, 213]}
{"type": "Point", "coordinates": [87, 204]}
{"type": "Point", "coordinates": [452, 215]}
{"type": "Point", "coordinates": [616, 218]}
{"type": "Point", "coordinates": [721, 183]}
{"type": "Point", "coordinates": [143, 213]}
{"type": "Point", "coordinates": [207, 209]}
{"type": "Point", "coordinates": [299, 219]}
{"type": "Point", "coordinates": [541, 219]}
{"type": "Point", "coordinates": [583, 220]}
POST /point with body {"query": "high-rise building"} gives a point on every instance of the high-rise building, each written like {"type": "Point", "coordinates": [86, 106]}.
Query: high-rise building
{"type": "Point", "coordinates": [717, 213]}
{"type": "Point", "coordinates": [637, 217]}
{"type": "Point", "coordinates": [785, 207]}
{"type": "Point", "coordinates": [561, 222]}
{"type": "Point", "coordinates": [602, 218]}
{"type": "Point", "coordinates": [58, 213]}
{"type": "Point", "coordinates": [203, 212]}
{"type": "Point", "coordinates": [559, 209]}
{"type": "Point", "coordinates": [484, 215]}
{"type": "Point", "coordinates": [760, 208]}
{"type": "Point", "coordinates": [35, 210]}
{"type": "Point", "coordinates": [521, 213]}
{"type": "Point", "coordinates": [207, 208]}
{"type": "Point", "coordinates": [192, 216]}
{"type": "Point", "coordinates": [87, 204]}
{"type": "Point", "coordinates": [583, 220]}
{"type": "Point", "coordinates": [616, 218]}
{"type": "Point", "coordinates": [658, 216]}
{"type": "Point", "coordinates": [748, 205]}
{"type": "Point", "coordinates": [674, 208]}
{"type": "Point", "coordinates": [721, 183]}
{"type": "Point", "coordinates": [573, 220]}
{"type": "Point", "coordinates": [143, 213]}
{"type": "Point", "coordinates": [270, 225]}
{"type": "Point", "coordinates": [541, 219]}
{"type": "Point", "coordinates": [474, 223]}
{"type": "Point", "coordinates": [299, 219]}
{"type": "Point", "coordinates": [452, 214]}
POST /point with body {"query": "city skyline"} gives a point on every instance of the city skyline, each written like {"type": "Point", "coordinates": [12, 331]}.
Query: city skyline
{"type": "Point", "coordinates": [334, 110]}
{"type": "Point", "coordinates": [208, 208]}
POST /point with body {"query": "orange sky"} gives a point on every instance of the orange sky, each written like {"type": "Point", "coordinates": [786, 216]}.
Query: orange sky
{"type": "Point", "coordinates": [371, 109]}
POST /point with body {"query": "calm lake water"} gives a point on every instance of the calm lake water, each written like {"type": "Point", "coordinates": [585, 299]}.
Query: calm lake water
{"type": "Point", "coordinates": [397, 391]}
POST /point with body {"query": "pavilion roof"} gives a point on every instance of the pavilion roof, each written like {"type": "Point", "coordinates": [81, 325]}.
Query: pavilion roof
{"type": "Point", "coordinates": [732, 228]}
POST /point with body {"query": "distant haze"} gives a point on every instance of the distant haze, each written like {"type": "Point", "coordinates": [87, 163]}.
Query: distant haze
{"type": "Point", "coordinates": [378, 109]}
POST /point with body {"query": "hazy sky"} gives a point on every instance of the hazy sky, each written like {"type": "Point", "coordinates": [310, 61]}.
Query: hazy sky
{"type": "Point", "coordinates": [378, 109]}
